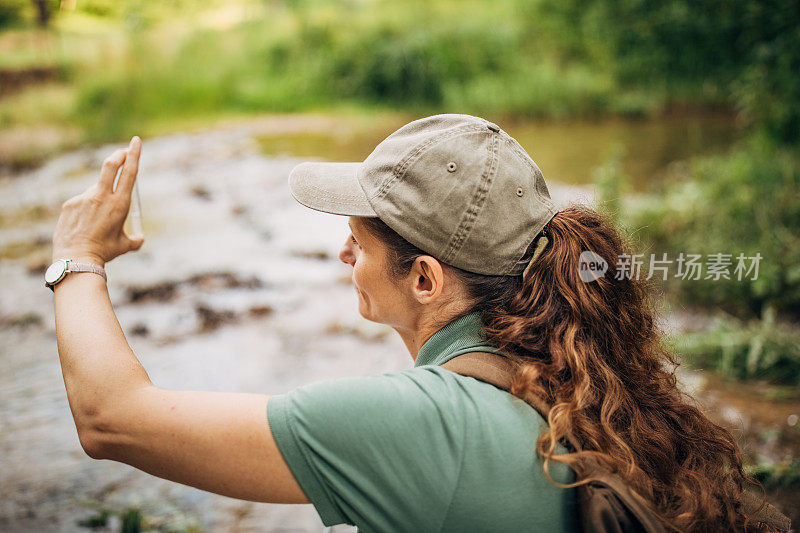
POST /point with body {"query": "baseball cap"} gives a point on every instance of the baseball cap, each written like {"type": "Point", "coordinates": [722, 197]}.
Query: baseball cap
{"type": "Point", "coordinates": [456, 186]}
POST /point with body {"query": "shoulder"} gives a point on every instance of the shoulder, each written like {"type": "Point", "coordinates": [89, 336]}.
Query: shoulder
{"type": "Point", "coordinates": [364, 449]}
{"type": "Point", "coordinates": [426, 395]}
{"type": "Point", "coordinates": [418, 385]}
{"type": "Point", "coordinates": [375, 435]}
{"type": "Point", "coordinates": [405, 393]}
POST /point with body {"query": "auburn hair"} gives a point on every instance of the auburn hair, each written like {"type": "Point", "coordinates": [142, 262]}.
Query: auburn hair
{"type": "Point", "coordinates": [594, 352]}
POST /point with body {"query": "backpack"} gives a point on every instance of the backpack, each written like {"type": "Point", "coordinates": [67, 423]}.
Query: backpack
{"type": "Point", "coordinates": [606, 503]}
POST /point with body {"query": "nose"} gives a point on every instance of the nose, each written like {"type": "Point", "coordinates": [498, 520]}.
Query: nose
{"type": "Point", "coordinates": [346, 254]}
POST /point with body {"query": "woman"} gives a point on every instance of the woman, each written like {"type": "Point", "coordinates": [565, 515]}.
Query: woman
{"type": "Point", "coordinates": [457, 245]}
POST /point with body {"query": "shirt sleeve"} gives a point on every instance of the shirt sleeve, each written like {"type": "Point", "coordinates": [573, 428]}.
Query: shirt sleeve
{"type": "Point", "coordinates": [378, 452]}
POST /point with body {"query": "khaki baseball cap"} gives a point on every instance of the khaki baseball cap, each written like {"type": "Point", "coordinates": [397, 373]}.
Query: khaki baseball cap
{"type": "Point", "coordinates": [455, 186]}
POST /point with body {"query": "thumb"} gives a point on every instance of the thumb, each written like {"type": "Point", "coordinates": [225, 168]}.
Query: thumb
{"type": "Point", "coordinates": [134, 242]}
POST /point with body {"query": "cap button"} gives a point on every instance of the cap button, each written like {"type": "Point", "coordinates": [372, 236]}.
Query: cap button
{"type": "Point", "coordinates": [494, 127]}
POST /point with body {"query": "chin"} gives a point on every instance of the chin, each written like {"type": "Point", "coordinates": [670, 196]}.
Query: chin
{"type": "Point", "coordinates": [363, 310]}
{"type": "Point", "coordinates": [366, 312]}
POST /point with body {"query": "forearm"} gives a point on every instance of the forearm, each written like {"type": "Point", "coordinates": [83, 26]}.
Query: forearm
{"type": "Point", "coordinates": [99, 367]}
{"type": "Point", "coordinates": [216, 441]}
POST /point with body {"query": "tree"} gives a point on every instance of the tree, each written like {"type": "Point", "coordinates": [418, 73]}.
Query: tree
{"type": "Point", "coordinates": [42, 12]}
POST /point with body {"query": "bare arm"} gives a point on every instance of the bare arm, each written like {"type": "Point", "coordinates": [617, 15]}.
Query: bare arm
{"type": "Point", "coordinates": [219, 442]}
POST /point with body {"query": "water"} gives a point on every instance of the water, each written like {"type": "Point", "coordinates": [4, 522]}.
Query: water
{"type": "Point", "coordinates": [237, 288]}
{"type": "Point", "coordinates": [566, 152]}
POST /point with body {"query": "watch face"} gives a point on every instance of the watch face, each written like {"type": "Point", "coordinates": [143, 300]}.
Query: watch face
{"type": "Point", "coordinates": [55, 271]}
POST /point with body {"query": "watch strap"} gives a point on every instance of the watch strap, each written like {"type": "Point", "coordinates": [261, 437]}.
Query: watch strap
{"type": "Point", "coordinates": [72, 266]}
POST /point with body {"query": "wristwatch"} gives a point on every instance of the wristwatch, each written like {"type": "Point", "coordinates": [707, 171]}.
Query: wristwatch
{"type": "Point", "coordinates": [61, 267]}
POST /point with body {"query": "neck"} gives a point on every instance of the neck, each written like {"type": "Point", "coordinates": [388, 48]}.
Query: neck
{"type": "Point", "coordinates": [415, 338]}
{"type": "Point", "coordinates": [419, 331]}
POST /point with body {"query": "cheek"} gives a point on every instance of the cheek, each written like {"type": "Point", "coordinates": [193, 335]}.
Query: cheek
{"type": "Point", "coordinates": [366, 276]}
{"type": "Point", "coordinates": [360, 273]}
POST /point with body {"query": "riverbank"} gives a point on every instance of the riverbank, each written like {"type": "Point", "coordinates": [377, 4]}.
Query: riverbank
{"type": "Point", "coordinates": [646, 149]}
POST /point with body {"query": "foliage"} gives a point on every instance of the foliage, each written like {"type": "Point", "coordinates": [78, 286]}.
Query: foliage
{"type": "Point", "coordinates": [768, 91]}
{"type": "Point", "coordinates": [757, 349]}
{"type": "Point", "coordinates": [132, 519]}
{"type": "Point", "coordinates": [747, 201]}
{"type": "Point", "coordinates": [611, 184]}
{"type": "Point", "coordinates": [11, 12]}
{"type": "Point", "coordinates": [418, 57]}
{"type": "Point", "coordinates": [776, 475]}
{"type": "Point", "coordinates": [549, 58]}
{"type": "Point", "coordinates": [741, 51]}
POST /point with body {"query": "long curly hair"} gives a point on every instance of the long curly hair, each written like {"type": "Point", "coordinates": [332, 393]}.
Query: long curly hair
{"type": "Point", "coordinates": [594, 352]}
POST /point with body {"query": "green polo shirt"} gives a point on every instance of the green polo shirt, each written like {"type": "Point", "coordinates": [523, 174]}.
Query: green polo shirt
{"type": "Point", "coordinates": [423, 449]}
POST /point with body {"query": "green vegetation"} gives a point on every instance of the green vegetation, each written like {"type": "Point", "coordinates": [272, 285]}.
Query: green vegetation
{"type": "Point", "coordinates": [726, 51]}
{"type": "Point", "coordinates": [748, 202]}
{"type": "Point", "coordinates": [105, 70]}
{"type": "Point", "coordinates": [136, 66]}
{"type": "Point", "coordinates": [159, 516]}
{"type": "Point", "coordinates": [740, 53]}
{"type": "Point", "coordinates": [756, 349]}
{"type": "Point", "coordinates": [784, 475]}
{"type": "Point", "coordinates": [323, 55]}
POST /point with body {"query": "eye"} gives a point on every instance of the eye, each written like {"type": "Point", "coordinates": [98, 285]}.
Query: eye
{"type": "Point", "coordinates": [352, 238]}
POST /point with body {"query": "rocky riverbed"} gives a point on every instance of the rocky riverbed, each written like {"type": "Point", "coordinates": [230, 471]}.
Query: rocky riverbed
{"type": "Point", "coordinates": [237, 288]}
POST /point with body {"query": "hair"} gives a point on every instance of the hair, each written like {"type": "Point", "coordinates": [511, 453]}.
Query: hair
{"type": "Point", "coordinates": [594, 352]}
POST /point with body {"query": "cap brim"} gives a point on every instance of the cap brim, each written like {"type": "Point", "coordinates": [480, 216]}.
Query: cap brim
{"type": "Point", "coordinates": [331, 188]}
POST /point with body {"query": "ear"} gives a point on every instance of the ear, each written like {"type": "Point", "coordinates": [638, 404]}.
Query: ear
{"type": "Point", "coordinates": [427, 279]}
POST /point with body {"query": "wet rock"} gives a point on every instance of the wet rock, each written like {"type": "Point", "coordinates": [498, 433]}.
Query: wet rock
{"type": "Point", "coordinates": [27, 215]}
{"type": "Point", "coordinates": [224, 280]}
{"type": "Point", "coordinates": [140, 330]}
{"type": "Point", "coordinates": [37, 265]}
{"type": "Point", "coordinates": [366, 332]}
{"type": "Point", "coordinates": [260, 311]}
{"type": "Point", "coordinates": [211, 319]}
{"type": "Point", "coordinates": [200, 192]}
{"type": "Point", "coordinates": [22, 249]}
{"type": "Point", "coordinates": [319, 255]}
{"type": "Point", "coordinates": [208, 281]}
{"type": "Point", "coordinates": [21, 321]}
{"type": "Point", "coordinates": [161, 292]}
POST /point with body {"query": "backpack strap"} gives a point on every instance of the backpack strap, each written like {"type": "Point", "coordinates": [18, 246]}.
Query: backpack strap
{"type": "Point", "coordinates": [498, 370]}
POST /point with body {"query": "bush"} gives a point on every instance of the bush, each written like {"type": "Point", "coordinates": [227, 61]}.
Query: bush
{"type": "Point", "coordinates": [740, 52]}
{"type": "Point", "coordinates": [747, 201]}
{"type": "Point", "coordinates": [776, 475]}
{"type": "Point", "coordinates": [11, 12]}
{"type": "Point", "coordinates": [758, 349]}
{"type": "Point", "coordinates": [421, 58]}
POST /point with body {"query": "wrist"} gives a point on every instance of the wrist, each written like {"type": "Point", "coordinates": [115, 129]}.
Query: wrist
{"type": "Point", "coordinates": [78, 257]}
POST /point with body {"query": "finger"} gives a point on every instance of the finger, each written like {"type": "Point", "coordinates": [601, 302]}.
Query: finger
{"type": "Point", "coordinates": [109, 170]}
{"type": "Point", "coordinates": [131, 168]}
{"type": "Point", "coordinates": [132, 243]}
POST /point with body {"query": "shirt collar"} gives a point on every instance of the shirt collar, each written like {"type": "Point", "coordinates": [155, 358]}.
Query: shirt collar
{"type": "Point", "coordinates": [462, 335]}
